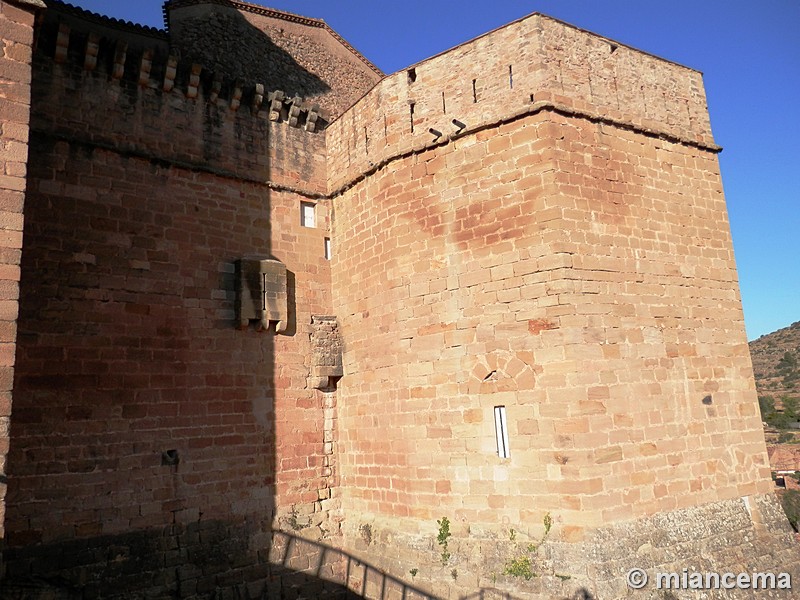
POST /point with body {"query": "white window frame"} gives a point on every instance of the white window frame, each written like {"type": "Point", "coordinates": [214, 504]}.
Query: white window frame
{"type": "Point", "coordinates": [308, 217]}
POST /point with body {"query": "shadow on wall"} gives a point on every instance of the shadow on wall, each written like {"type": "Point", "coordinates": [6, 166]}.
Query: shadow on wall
{"type": "Point", "coordinates": [354, 578]}
{"type": "Point", "coordinates": [357, 579]}
{"type": "Point", "coordinates": [221, 39]}
{"type": "Point", "coordinates": [298, 569]}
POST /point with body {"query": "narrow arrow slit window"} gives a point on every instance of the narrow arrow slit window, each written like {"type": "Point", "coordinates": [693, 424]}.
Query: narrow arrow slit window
{"type": "Point", "coordinates": [501, 431]}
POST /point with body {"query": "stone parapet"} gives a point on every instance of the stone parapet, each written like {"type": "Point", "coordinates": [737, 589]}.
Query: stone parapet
{"type": "Point", "coordinates": [107, 84]}
{"type": "Point", "coordinates": [505, 73]}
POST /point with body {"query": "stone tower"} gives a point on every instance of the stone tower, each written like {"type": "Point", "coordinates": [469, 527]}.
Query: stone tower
{"type": "Point", "coordinates": [537, 291]}
{"type": "Point", "coordinates": [288, 326]}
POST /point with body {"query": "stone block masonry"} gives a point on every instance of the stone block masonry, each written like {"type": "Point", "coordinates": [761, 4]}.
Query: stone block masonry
{"type": "Point", "coordinates": [158, 445]}
{"type": "Point", "coordinates": [549, 235]}
{"type": "Point", "coordinates": [16, 32]}
{"type": "Point", "coordinates": [504, 351]}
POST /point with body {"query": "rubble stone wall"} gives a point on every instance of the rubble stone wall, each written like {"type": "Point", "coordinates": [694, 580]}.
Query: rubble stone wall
{"type": "Point", "coordinates": [255, 45]}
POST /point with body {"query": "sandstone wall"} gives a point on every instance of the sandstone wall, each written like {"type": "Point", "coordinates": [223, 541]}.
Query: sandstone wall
{"type": "Point", "coordinates": [16, 33]}
{"type": "Point", "coordinates": [533, 220]}
{"type": "Point", "coordinates": [571, 263]}
{"type": "Point", "coordinates": [156, 445]}
{"type": "Point", "coordinates": [508, 72]}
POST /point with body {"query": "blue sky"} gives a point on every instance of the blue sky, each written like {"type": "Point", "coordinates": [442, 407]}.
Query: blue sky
{"type": "Point", "coordinates": [748, 51]}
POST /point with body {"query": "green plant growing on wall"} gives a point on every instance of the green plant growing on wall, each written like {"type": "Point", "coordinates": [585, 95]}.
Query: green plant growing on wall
{"type": "Point", "coordinates": [522, 565]}
{"type": "Point", "coordinates": [791, 506]}
{"type": "Point", "coordinates": [414, 572]}
{"type": "Point", "coordinates": [444, 534]}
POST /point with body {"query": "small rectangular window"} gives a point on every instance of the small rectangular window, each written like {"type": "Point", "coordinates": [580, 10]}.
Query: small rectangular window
{"type": "Point", "coordinates": [307, 214]}
{"type": "Point", "coordinates": [501, 431]}
{"type": "Point", "coordinates": [327, 248]}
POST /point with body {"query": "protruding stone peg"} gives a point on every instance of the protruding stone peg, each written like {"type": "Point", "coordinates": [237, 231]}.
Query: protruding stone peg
{"type": "Point", "coordinates": [170, 72]}
{"type": "Point", "coordinates": [216, 86]}
{"type": "Point", "coordinates": [62, 43]}
{"type": "Point", "coordinates": [120, 53]}
{"type": "Point", "coordinates": [275, 105]}
{"type": "Point", "coordinates": [92, 48]}
{"type": "Point", "coordinates": [294, 111]}
{"type": "Point", "coordinates": [311, 119]}
{"type": "Point", "coordinates": [145, 68]}
{"type": "Point", "coordinates": [236, 97]}
{"type": "Point", "coordinates": [194, 81]}
{"type": "Point", "coordinates": [258, 97]}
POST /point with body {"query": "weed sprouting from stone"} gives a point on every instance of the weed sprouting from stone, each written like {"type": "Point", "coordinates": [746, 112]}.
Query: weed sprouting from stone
{"type": "Point", "coordinates": [444, 534]}
{"type": "Point", "coordinates": [522, 566]}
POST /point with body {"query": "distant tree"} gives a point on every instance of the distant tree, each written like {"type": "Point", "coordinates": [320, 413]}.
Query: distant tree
{"type": "Point", "coordinates": [767, 406]}
{"type": "Point", "coordinates": [780, 419]}
{"type": "Point", "coordinates": [785, 437]}
{"type": "Point", "coordinates": [790, 407]}
{"type": "Point", "coordinates": [790, 500]}
{"type": "Point", "coordinates": [787, 364]}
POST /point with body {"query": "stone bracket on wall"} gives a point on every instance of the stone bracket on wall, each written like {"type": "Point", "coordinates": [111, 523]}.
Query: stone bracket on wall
{"type": "Point", "coordinates": [261, 293]}
{"type": "Point", "coordinates": [326, 353]}
{"type": "Point", "coordinates": [196, 81]}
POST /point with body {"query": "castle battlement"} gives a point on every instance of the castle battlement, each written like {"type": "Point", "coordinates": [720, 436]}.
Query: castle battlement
{"type": "Point", "coordinates": [532, 64]}
{"type": "Point", "coordinates": [150, 68]}
{"type": "Point", "coordinates": [102, 71]}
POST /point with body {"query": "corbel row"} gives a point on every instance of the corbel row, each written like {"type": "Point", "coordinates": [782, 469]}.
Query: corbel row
{"type": "Point", "coordinates": [277, 106]}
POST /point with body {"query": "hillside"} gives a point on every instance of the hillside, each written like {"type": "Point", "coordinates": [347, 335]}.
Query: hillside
{"type": "Point", "coordinates": [776, 362]}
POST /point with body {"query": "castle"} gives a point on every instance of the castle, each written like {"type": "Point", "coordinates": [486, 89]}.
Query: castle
{"type": "Point", "coordinates": [275, 324]}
